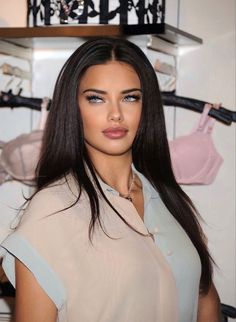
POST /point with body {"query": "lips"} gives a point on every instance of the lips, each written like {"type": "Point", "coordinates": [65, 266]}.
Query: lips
{"type": "Point", "coordinates": [115, 132]}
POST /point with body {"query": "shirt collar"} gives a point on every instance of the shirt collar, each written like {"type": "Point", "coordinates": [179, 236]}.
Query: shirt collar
{"type": "Point", "coordinates": [148, 190]}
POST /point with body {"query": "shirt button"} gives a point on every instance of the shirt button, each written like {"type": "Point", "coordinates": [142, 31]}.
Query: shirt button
{"type": "Point", "coordinates": [169, 253]}
{"type": "Point", "coordinates": [155, 230]}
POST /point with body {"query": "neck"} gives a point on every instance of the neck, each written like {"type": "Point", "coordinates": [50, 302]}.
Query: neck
{"type": "Point", "coordinates": [115, 171]}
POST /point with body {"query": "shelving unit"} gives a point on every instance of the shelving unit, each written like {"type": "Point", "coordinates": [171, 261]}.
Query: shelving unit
{"type": "Point", "coordinates": [61, 31]}
{"type": "Point", "coordinates": [28, 36]}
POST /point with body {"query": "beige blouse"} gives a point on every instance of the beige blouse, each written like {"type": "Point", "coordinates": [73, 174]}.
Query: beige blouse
{"type": "Point", "coordinates": [125, 278]}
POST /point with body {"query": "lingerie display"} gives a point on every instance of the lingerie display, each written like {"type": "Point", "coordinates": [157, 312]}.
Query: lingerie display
{"type": "Point", "coordinates": [194, 157]}
{"type": "Point", "coordinates": [19, 156]}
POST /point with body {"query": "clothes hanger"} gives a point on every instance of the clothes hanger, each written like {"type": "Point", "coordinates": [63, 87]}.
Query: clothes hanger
{"type": "Point", "coordinates": [222, 114]}
{"type": "Point", "coordinates": [10, 82]}
{"type": "Point", "coordinates": [19, 89]}
{"type": "Point", "coordinates": [8, 99]}
{"type": "Point", "coordinates": [10, 70]}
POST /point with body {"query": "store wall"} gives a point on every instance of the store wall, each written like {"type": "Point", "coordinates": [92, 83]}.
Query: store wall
{"type": "Point", "coordinates": [208, 73]}
{"type": "Point", "coordinates": [13, 13]}
{"type": "Point", "coordinates": [12, 123]}
{"type": "Point", "coordinates": [205, 72]}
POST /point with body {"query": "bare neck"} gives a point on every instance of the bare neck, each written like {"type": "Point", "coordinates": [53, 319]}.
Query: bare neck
{"type": "Point", "coordinates": [114, 170]}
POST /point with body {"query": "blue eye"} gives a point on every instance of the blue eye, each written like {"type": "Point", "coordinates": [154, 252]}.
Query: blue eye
{"type": "Point", "coordinates": [132, 98]}
{"type": "Point", "coordinates": [94, 99]}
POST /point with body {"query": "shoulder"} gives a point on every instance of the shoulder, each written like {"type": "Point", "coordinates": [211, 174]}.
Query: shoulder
{"type": "Point", "coordinates": [58, 197]}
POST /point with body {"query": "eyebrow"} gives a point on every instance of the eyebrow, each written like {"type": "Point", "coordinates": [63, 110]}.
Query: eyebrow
{"type": "Point", "coordinates": [104, 92]}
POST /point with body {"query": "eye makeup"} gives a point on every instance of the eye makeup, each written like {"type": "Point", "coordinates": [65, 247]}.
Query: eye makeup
{"type": "Point", "coordinates": [94, 98]}
{"type": "Point", "coordinates": [132, 98]}
{"type": "Point", "coordinates": [97, 96]}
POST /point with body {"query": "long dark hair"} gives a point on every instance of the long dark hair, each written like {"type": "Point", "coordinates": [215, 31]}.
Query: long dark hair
{"type": "Point", "coordinates": [64, 150]}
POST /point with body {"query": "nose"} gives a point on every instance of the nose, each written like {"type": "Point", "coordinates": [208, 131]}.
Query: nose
{"type": "Point", "coordinates": [115, 112]}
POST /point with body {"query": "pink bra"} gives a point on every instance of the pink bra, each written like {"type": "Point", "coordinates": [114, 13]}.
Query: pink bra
{"type": "Point", "coordinates": [194, 157]}
{"type": "Point", "coordinates": [19, 157]}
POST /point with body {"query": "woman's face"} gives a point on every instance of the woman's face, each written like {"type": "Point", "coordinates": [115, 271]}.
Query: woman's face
{"type": "Point", "coordinates": [110, 102]}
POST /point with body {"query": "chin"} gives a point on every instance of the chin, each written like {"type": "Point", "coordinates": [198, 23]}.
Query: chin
{"type": "Point", "coordinates": [117, 152]}
{"type": "Point", "coordinates": [113, 148]}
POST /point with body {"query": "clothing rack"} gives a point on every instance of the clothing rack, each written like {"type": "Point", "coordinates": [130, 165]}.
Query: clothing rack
{"type": "Point", "coordinates": [8, 99]}
{"type": "Point", "coordinates": [222, 114]}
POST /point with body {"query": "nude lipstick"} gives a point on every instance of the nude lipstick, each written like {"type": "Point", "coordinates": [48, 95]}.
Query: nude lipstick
{"type": "Point", "coordinates": [115, 133]}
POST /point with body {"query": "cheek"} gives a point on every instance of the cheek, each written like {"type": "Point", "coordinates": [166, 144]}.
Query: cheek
{"type": "Point", "coordinates": [88, 124]}
{"type": "Point", "coordinates": [86, 115]}
{"type": "Point", "coordinates": [91, 121]}
{"type": "Point", "coordinates": [136, 118]}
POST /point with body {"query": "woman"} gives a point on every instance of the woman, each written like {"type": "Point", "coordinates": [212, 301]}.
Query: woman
{"type": "Point", "coordinates": [108, 235]}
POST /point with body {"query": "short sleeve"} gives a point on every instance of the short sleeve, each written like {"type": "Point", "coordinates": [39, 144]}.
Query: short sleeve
{"type": "Point", "coordinates": [39, 242]}
{"type": "Point", "coordinates": [16, 246]}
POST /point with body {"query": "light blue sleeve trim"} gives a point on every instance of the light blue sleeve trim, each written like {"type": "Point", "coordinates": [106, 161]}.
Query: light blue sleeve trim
{"type": "Point", "coordinates": [18, 247]}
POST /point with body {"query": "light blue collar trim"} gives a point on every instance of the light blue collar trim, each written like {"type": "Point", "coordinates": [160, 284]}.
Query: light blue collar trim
{"type": "Point", "coordinates": [148, 189]}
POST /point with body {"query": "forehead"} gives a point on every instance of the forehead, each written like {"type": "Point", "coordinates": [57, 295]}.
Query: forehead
{"type": "Point", "coordinates": [111, 73]}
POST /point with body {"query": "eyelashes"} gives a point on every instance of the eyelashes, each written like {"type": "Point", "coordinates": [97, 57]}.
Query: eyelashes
{"type": "Point", "coordinates": [132, 98]}
{"type": "Point", "coordinates": [94, 99]}
{"type": "Point", "coordinates": [127, 98]}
